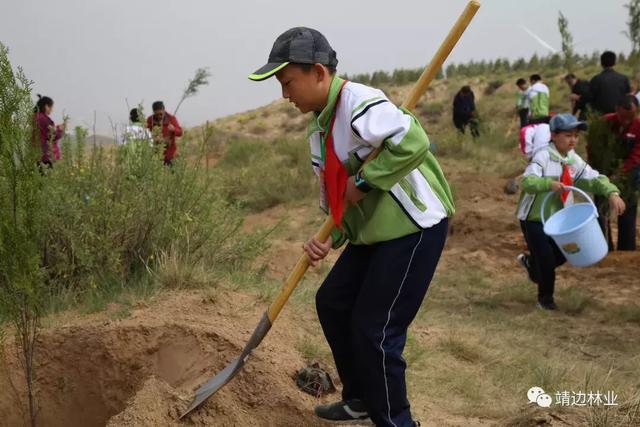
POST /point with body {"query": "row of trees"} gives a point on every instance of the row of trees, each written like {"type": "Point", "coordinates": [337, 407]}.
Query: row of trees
{"type": "Point", "coordinates": [535, 62]}
{"type": "Point", "coordinates": [398, 76]}
{"type": "Point", "coordinates": [480, 68]}
{"type": "Point", "coordinates": [571, 60]}
{"type": "Point", "coordinates": [568, 60]}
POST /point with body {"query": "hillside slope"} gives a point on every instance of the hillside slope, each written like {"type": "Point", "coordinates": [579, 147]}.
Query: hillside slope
{"type": "Point", "coordinates": [477, 345]}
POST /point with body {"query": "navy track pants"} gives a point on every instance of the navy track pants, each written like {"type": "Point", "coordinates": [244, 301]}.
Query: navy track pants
{"type": "Point", "coordinates": [365, 306]}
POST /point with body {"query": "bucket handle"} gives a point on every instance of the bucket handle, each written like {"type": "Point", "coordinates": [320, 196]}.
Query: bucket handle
{"type": "Point", "coordinates": [551, 193]}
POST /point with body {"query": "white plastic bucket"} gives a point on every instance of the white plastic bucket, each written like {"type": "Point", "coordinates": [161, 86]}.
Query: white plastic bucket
{"type": "Point", "coordinates": [576, 231]}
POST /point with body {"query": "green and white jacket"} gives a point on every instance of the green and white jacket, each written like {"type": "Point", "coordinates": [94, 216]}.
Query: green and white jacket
{"type": "Point", "coordinates": [546, 167]}
{"type": "Point", "coordinates": [538, 100]}
{"type": "Point", "coordinates": [522, 100]}
{"type": "Point", "coordinates": [408, 189]}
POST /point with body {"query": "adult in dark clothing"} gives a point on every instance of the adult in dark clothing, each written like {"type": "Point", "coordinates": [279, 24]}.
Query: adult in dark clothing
{"type": "Point", "coordinates": [608, 87]}
{"type": "Point", "coordinates": [464, 111]}
{"type": "Point", "coordinates": [625, 124]}
{"type": "Point", "coordinates": [580, 95]}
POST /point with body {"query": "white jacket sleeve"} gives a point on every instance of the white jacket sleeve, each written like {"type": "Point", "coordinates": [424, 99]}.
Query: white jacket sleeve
{"type": "Point", "coordinates": [379, 121]}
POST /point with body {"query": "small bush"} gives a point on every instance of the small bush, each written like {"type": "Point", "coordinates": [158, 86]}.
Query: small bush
{"type": "Point", "coordinates": [574, 300]}
{"type": "Point", "coordinates": [606, 153]}
{"type": "Point", "coordinates": [176, 270]}
{"type": "Point", "coordinates": [259, 128]}
{"type": "Point", "coordinates": [110, 214]}
{"type": "Point", "coordinates": [313, 351]}
{"type": "Point", "coordinates": [460, 349]}
{"type": "Point", "coordinates": [247, 117]}
{"type": "Point", "coordinates": [629, 313]}
{"type": "Point", "coordinates": [493, 86]}
{"type": "Point", "coordinates": [432, 111]}
{"type": "Point", "coordinates": [259, 175]}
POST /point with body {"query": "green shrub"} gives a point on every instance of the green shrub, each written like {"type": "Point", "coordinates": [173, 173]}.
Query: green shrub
{"type": "Point", "coordinates": [112, 214]}
{"type": "Point", "coordinates": [259, 127]}
{"type": "Point", "coordinates": [606, 154]}
{"type": "Point", "coordinates": [432, 111]}
{"type": "Point", "coordinates": [493, 86]}
{"type": "Point", "coordinates": [259, 175]}
{"type": "Point", "coordinates": [629, 313]}
{"type": "Point", "coordinates": [23, 222]}
{"type": "Point", "coordinates": [247, 117]}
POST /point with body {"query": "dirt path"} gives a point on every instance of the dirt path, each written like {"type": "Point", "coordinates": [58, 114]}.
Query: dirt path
{"type": "Point", "coordinates": [484, 231]}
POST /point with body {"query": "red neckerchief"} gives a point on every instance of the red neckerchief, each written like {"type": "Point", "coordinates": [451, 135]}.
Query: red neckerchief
{"type": "Point", "coordinates": [566, 180]}
{"type": "Point", "coordinates": [335, 176]}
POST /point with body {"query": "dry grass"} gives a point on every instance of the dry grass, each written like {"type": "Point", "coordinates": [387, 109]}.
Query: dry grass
{"type": "Point", "coordinates": [501, 350]}
{"type": "Point", "coordinates": [177, 271]}
{"type": "Point", "coordinates": [629, 313]}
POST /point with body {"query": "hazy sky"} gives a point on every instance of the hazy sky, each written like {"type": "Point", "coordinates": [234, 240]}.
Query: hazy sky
{"type": "Point", "coordinates": [92, 54]}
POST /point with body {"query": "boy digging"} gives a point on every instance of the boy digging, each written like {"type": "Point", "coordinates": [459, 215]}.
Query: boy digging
{"type": "Point", "coordinates": [552, 169]}
{"type": "Point", "coordinates": [395, 223]}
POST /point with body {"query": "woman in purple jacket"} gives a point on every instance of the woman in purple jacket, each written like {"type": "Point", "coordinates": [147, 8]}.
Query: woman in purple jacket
{"type": "Point", "coordinates": [46, 132]}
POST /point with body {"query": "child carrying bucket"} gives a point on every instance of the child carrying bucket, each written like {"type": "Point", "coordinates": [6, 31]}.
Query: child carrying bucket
{"type": "Point", "coordinates": [551, 170]}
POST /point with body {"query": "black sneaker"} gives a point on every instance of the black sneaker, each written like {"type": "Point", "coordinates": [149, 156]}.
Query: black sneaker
{"type": "Point", "coordinates": [547, 305]}
{"type": "Point", "coordinates": [352, 410]}
{"type": "Point", "coordinates": [525, 261]}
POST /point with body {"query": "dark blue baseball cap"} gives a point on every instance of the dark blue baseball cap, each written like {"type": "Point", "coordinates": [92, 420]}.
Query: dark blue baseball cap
{"type": "Point", "coordinates": [564, 122]}
{"type": "Point", "coordinates": [300, 45]}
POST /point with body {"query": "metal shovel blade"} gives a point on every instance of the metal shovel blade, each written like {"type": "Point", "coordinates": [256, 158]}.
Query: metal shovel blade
{"type": "Point", "coordinates": [207, 389]}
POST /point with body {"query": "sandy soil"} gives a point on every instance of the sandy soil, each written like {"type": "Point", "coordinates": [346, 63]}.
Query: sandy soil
{"type": "Point", "coordinates": [142, 371]}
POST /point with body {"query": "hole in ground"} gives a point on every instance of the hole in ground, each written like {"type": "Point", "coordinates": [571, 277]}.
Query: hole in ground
{"type": "Point", "coordinates": [86, 375]}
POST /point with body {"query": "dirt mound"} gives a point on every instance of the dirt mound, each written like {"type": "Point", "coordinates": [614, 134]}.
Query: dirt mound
{"type": "Point", "coordinates": [142, 371]}
{"type": "Point", "coordinates": [155, 404]}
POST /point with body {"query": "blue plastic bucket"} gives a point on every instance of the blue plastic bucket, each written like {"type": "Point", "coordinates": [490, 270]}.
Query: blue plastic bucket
{"type": "Point", "coordinates": [576, 231]}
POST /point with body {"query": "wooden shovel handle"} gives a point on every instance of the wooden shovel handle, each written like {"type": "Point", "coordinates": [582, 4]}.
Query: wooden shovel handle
{"type": "Point", "coordinates": [429, 73]}
{"type": "Point", "coordinates": [298, 271]}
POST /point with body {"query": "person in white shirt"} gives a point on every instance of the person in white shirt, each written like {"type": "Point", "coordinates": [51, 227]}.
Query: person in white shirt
{"type": "Point", "coordinates": [538, 94]}
{"type": "Point", "coordinates": [135, 130]}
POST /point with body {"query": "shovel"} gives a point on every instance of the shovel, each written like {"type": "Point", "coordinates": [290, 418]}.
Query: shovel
{"type": "Point", "coordinates": [216, 383]}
